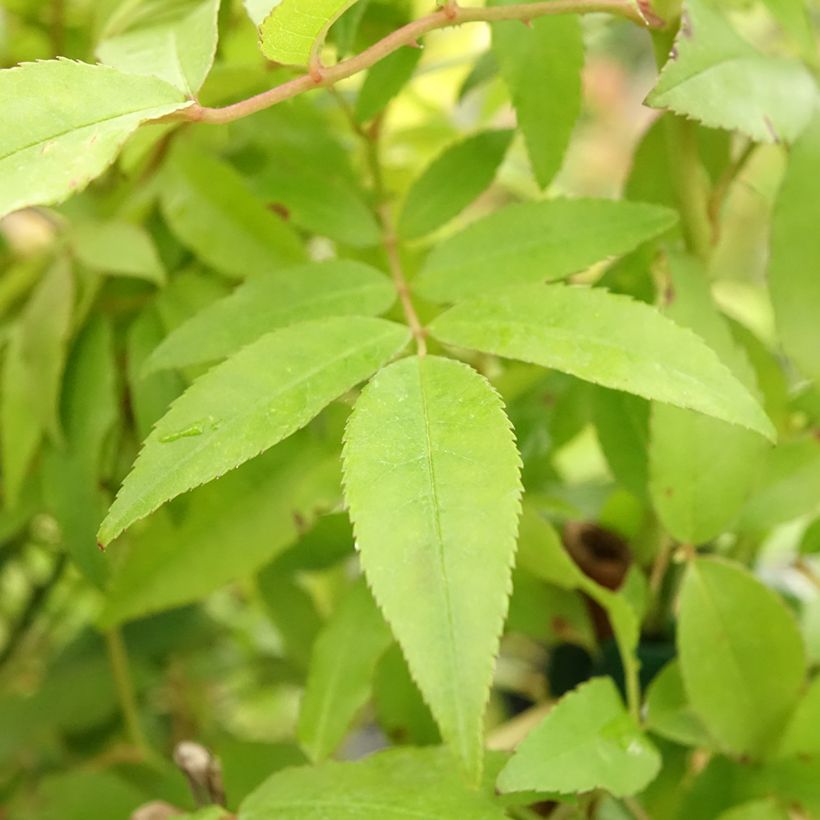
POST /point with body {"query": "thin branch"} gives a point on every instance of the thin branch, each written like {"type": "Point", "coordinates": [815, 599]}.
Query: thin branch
{"type": "Point", "coordinates": [408, 35]}
{"type": "Point", "coordinates": [120, 670]}
{"type": "Point", "coordinates": [391, 247]}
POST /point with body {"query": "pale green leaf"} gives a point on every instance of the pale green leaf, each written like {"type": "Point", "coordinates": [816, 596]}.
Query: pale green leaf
{"type": "Point", "coordinates": [258, 10]}
{"type": "Point", "coordinates": [603, 338]}
{"type": "Point", "coordinates": [296, 29]}
{"type": "Point", "coordinates": [541, 65]}
{"type": "Point", "coordinates": [179, 47]}
{"type": "Point", "coordinates": [587, 741]}
{"type": "Point", "coordinates": [801, 736]}
{"type": "Point", "coordinates": [384, 81]}
{"type": "Point", "coordinates": [71, 472]}
{"type": "Point", "coordinates": [211, 210]}
{"type": "Point", "coordinates": [717, 78]}
{"type": "Point", "coordinates": [65, 123]}
{"type": "Point", "coordinates": [432, 484]}
{"type": "Point", "coordinates": [741, 655]}
{"type": "Point", "coordinates": [223, 531]}
{"type": "Point", "coordinates": [32, 371]}
{"type": "Point", "coordinates": [789, 485]}
{"type": "Point", "coordinates": [701, 469]}
{"type": "Point", "coordinates": [793, 16]}
{"type": "Point", "coordinates": [271, 301]}
{"type": "Point", "coordinates": [117, 247]}
{"type": "Point", "coordinates": [537, 242]}
{"type": "Point", "coordinates": [764, 809]}
{"type": "Point", "coordinates": [245, 405]}
{"type": "Point", "coordinates": [794, 264]}
{"type": "Point", "coordinates": [391, 785]}
{"type": "Point", "coordinates": [341, 671]}
{"type": "Point", "coordinates": [451, 182]}
{"type": "Point", "coordinates": [668, 712]}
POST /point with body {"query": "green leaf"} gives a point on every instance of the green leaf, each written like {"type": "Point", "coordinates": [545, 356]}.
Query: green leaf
{"type": "Point", "coordinates": [71, 473]}
{"type": "Point", "coordinates": [622, 425]}
{"type": "Point", "coordinates": [717, 78]}
{"type": "Point", "coordinates": [701, 469]}
{"type": "Point", "coordinates": [668, 712]}
{"type": "Point", "coordinates": [341, 672]}
{"type": "Point", "coordinates": [32, 371]}
{"type": "Point", "coordinates": [223, 531]}
{"type": "Point", "coordinates": [390, 785]}
{"type": "Point", "coordinates": [587, 741]}
{"type": "Point", "coordinates": [537, 242]}
{"type": "Point", "coordinates": [795, 254]}
{"type": "Point", "coordinates": [211, 210]}
{"type": "Point", "coordinates": [741, 655]}
{"type": "Point", "coordinates": [265, 303]}
{"type": "Point", "coordinates": [801, 736]}
{"type": "Point", "coordinates": [384, 81]}
{"type": "Point", "coordinates": [765, 809]}
{"type": "Point", "coordinates": [66, 121]}
{"type": "Point", "coordinates": [318, 200]}
{"type": "Point", "coordinates": [541, 65]}
{"type": "Point", "coordinates": [793, 16]}
{"type": "Point", "coordinates": [177, 46]}
{"type": "Point", "coordinates": [789, 485]}
{"type": "Point", "coordinates": [603, 338]}
{"type": "Point", "coordinates": [116, 247]}
{"type": "Point", "coordinates": [434, 504]}
{"type": "Point", "coordinates": [240, 408]}
{"type": "Point", "coordinates": [452, 181]}
{"type": "Point", "coordinates": [296, 29]}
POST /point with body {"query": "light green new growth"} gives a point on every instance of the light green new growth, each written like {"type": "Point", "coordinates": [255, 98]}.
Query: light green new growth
{"type": "Point", "coordinates": [604, 338]}
{"type": "Point", "coordinates": [295, 30]}
{"type": "Point", "coordinates": [431, 477]}
{"type": "Point", "coordinates": [587, 741]}
{"type": "Point", "coordinates": [245, 405]}
{"type": "Point", "coordinates": [69, 122]}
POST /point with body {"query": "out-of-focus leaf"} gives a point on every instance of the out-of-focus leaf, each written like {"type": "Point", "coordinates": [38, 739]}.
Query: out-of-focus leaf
{"type": "Point", "coordinates": [434, 504]}
{"type": "Point", "coordinates": [341, 671]}
{"type": "Point", "coordinates": [223, 531]}
{"type": "Point", "coordinates": [622, 424]}
{"type": "Point", "coordinates": [801, 736]}
{"type": "Point", "coordinates": [212, 211]}
{"type": "Point", "coordinates": [178, 46]}
{"type": "Point", "coordinates": [537, 242]}
{"type": "Point", "coordinates": [264, 303]}
{"type": "Point", "coordinates": [741, 655]}
{"type": "Point", "coordinates": [117, 247]}
{"type": "Point", "coordinates": [668, 712]}
{"type": "Point", "coordinates": [384, 81]}
{"type": "Point", "coordinates": [452, 181]}
{"type": "Point", "coordinates": [71, 472]}
{"type": "Point", "coordinates": [794, 282]}
{"type": "Point", "coordinates": [717, 78]}
{"type": "Point", "coordinates": [32, 372]}
{"type": "Point", "coordinates": [541, 65]}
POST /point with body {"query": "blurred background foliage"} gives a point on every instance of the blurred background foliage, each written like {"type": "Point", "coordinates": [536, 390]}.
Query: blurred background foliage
{"type": "Point", "coordinates": [219, 597]}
